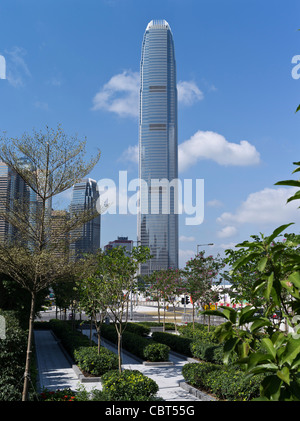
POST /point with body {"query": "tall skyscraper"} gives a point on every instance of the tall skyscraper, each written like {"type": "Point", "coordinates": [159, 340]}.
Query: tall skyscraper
{"type": "Point", "coordinates": [85, 239]}
{"type": "Point", "coordinates": [17, 197]}
{"type": "Point", "coordinates": [158, 155]}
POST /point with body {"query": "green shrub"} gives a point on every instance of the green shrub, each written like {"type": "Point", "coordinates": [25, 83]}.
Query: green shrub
{"type": "Point", "coordinates": [138, 329]}
{"type": "Point", "coordinates": [225, 382]}
{"type": "Point", "coordinates": [130, 341]}
{"type": "Point", "coordinates": [71, 339]}
{"type": "Point", "coordinates": [176, 343]}
{"type": "Point", "coordinates": [207, 352]}
{"type": "Point", "coordinates": [129, 385]}
{"type": "Point", "coordinates": [200, 331]}
{"type": "Point", "coordinates": [12, 358]}
{"type": "Point", "coordinates": [88, 360]}
{"type": "Point", "coordinates": [157, 352]}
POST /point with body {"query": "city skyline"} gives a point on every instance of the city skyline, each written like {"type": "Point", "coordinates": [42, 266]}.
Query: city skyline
{"type": "Point", "coordinates": [158, 147]}
{"type": "Point", "coordinates": [237, 96]}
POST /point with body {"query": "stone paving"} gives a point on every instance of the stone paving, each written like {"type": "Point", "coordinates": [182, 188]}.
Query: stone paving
{"type": "Point", "coordinates": [56, 372]}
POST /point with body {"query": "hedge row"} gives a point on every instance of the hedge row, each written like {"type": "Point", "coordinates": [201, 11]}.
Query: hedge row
{"type": "Point", "coordinates": [70, 338]}
{"type": "Point", "coordinates": [12, 357]}
{"type": "Point", "coordinates": [178, 344]}
{"type": "Point", "coordinates": [225, 382]}
{"type": "Point", "coordinates": [137, 344]}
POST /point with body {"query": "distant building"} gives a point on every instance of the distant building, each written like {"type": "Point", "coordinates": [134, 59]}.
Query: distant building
{"type": "Point", "coordinates": [120, 242]}
{"type": "Point", "coordinates": [85, 239]}
{"type": "Point", "coordinates": [60, 237]}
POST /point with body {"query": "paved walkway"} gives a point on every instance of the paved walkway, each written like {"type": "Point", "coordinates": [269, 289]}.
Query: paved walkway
{"type": "Point", "coordinates": [56, 372]}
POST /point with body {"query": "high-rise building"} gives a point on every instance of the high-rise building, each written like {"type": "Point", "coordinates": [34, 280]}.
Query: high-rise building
{"type": "Point", "coordinates": [14, 198]}
{"type": "Point", "coordinates": [85, 239]}
{"type": "Point", "coordinates": [158, 155]}
{"type": "Point", "coordinates": [18, 199]}
{"type": "Point", "coordinates": [120, 242]}
{"type": "Point", "coordinates": [59, 236]}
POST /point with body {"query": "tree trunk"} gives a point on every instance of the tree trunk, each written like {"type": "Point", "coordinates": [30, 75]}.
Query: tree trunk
{"type": "Point", "coordinates": [193, 316]}
{"type": "Point", "coordinates": [29, 346]}
{"type": "Point", "coordinates": [119, 351]}
{"type": "Point", "coordinates": [175, 318]}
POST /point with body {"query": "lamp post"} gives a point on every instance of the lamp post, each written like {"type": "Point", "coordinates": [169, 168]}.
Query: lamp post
{"type": "Point", "coordinates": [199, 245]}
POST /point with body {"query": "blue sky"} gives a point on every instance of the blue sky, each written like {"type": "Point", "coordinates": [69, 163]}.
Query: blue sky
{"type": "Point", "coordinates": [76, 63]}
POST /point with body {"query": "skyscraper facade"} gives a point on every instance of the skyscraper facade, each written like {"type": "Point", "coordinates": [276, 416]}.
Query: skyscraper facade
{"type": "Point", "coordinates": [158, 155]}
{"type": "Point", "coordinates": [85, 239]}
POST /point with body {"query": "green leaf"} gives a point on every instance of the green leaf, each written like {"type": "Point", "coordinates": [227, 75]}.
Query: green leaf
{"type": "Point", "coordinates": [230, 314]}
{"type": "Point", "coordinates": [271, 386]}
{"type": "Point", "coordinates": [295, 197]}
{"type": "Point", "coordinates": [295, 183]}
{"type": "Point", "coordinates": [269, 346]}
{"type": "Point", "coordinates": [269, 286]}
{"type": "Point", "coordinates": [257, 324]}
{"type": "Point", "coordinates": [298, 108]}
{"type": "Point", "coordinates": [229, 347]}
{"type": "Point", "coordinates": [277, 231]}
{"type": "Point", "coordinates": [257, 359]}
{"type": "Point", "coordinates": [246, 315]}
{"type": "Point", "coordinates": [245, 259]}
{"type": "Point", "coordinates": [262, 264]}
{"type": "Point", "coordinates": [291, 351]}
{"type": "Point", "coordinates": [294, 278]}
{"type": "Point", "coordinates": [284, 374]}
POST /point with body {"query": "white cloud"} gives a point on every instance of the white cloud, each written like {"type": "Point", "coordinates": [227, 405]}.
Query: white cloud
{"type": "Point", "coordinates": [211, 145]}
{"type": "Point", "coordinates": [226, 232]}
{"type": "Point", "coordinates": [265, 207]}
{"type": "Point", "coordinates": [183, 238]}
{"type": "Point", "coordinates": [131, 154]}
{"type": "Point", "coordinates": [208, 145]}
{"type": "Point", "coordinates": [17, 68]}
{"type": "Point", "coordinates": [188, 93]}
{"type": "Point", "coordinates": [225, 246]}
{"type": "Point", "coordinates": [215, 203]}
{"type": "Point", "coordinates": [120, 94]}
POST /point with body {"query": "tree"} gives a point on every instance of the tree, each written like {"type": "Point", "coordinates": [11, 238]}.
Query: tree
{"type": "Point", "coordinates": [200, 272]}
{"type": "Point", "coordinates": [117, 271]}
{"type": "Point", "coordinates": [263, 347]}
{"type": "Point", "coordinates": [248, 334]}
{"type": "Point", "coordinates": [54, 163]}
{"type": "Point", "coordinates": [168, 284]}
{"type": "Point", "coordinates": [92, 294]}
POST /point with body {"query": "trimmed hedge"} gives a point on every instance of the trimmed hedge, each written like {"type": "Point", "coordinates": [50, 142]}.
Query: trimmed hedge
{"type": "Point", "coordinates": [178, 344]}
{"type": "Point", "coordinates": [132, 342]}
{"type": "Point", "coordinates": [88, 360]}
{"type": "Point", "coordinates": [12, 358]}
{"type": "Point", "coordinates": [130, 385]}
{"type": "Point", "coordinates": [71, 339]}
{"type": "Point", "coordinates": [156, 352]}
{"type": "Point", "coordinates": [225, 382]}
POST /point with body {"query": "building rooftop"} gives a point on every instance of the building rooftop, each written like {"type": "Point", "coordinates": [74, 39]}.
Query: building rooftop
{"type": "Point", "coordinates": [158, 23]}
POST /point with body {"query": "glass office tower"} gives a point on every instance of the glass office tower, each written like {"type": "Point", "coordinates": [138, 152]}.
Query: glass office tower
{"type": "Point", "coordinates": [85, 239]}
{"type": "Point", "coordinates": [158, 161]}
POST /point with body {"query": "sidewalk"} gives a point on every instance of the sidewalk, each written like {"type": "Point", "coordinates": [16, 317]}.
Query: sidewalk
{"type": "Point", "coordinates": [56, 372]}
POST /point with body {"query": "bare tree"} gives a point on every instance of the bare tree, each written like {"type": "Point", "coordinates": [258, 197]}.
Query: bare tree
{"type": "Point", "coordinates": [34, 257]}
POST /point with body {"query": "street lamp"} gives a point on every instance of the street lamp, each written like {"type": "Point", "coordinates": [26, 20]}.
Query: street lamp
{"type": "Point", "coordinates": [199, 245]}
